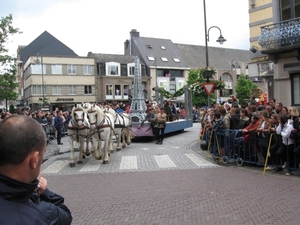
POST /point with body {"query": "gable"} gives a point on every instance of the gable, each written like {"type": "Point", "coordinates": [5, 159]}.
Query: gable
{"type": "Point", "coordinates": [46, 44]}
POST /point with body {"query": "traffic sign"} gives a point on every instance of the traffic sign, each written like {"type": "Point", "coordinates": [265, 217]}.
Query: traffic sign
{"type": "Point", "coordinates": [208, 87]}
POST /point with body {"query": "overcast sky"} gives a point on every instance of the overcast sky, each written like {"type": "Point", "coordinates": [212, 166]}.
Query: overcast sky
{"type": "Point", "coordinates": [102, 26]}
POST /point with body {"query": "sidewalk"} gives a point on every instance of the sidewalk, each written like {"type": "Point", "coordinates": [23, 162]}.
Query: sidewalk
{"type": "Point", "coordinates": [53, 148]}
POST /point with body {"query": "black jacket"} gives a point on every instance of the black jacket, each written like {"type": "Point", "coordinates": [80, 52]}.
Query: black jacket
{"type": "Point", "coordinates": [15, 204]}
{"type": "Point", "coordinates": [234, 122]}
{"type": "Point", "coordinates": [53, 208]}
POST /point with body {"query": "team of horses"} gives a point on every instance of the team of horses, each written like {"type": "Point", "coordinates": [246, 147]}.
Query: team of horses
{"type": "Point", "coordinates": [91, 124]}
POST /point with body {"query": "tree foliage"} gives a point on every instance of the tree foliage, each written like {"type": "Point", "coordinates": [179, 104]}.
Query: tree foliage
{"type": "Point", "coordinates": [8, 72]}
{"type": "Point", "coordinates": [244, 88]}
{"type": "Point", "coordinates": [195, 81]}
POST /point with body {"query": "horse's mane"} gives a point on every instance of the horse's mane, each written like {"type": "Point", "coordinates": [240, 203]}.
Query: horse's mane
{"type": "Point", "coordinates": [98, 110]}
{"type": "Point", "coordinates": [112, 112]}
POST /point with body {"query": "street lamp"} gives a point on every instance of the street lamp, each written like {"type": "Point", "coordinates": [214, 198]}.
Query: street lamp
{"type": "Point", "coordinates": [221, 40]}
{"type": "Point", "coordinates": [37, 61]}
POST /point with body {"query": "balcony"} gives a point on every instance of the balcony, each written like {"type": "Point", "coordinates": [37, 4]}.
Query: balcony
{"type": "Point", "coordinates": [280, 37]}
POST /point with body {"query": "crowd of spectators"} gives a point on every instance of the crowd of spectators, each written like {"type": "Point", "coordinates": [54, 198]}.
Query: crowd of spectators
{"type": "Point", "coordinates": [257, 129]}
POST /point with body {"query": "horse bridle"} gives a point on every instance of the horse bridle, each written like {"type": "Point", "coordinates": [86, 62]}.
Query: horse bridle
{"type": "Point", "coordinates": [79, 119]}
{"type": "Point", "coordinates": [92, 111]}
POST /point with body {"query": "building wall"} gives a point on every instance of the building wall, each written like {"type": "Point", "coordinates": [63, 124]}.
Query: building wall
{"type": "Point", "coordinates": [64, 80]}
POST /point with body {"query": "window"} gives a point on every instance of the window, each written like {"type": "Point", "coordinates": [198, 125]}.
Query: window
{"type": "Point", "coordinates": [131, 71]}
{"type": "Point", "coordinates": [72, 90]}
{"type": "Point", "coordinates": [109, 90]}
{"type": "Point", "coordinates": [37, 69]}
{"type": "Point", "coordinates": [164, 59]}
{"type": "Point", "coordinates": [56, 69]}
{"type": "Point", "coordinates": [36, 89]}
{"type": "Point", "coordinates": [87, 69]}
{"type": "Point", "coordinates": [126, 89]}
{"type": "Point", "coordinates": [290, 9]}
{"type": "Point", "coordinates": [176, 60]}
{"type": "Point", "coordinates": [295, 79]}
{"type": "Point", "coordinates": [151, 58]}
{"type": "Point", "coordinates": [131, 68]}
{"type": "Point", "coordinates": [57, 90]}
{"type": "Point", "coordinates": [118, 91]}
{"type": "Point", "coordinates": [71, 69]}
{"type": "Point", "coordinates": [113, 68]}
{"type": "Point", "coordinates": [87, 89]}
{"type": "Point", "coordinates": [163, 47]}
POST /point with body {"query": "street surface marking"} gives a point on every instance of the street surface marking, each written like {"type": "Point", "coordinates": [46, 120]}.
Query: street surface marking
{"type": "Point", "coordinates": [198, 161]}
{"type": "Point", "coordinates": [128, 163]}
{"type": "Point", "coordinates": [56, 166]}
{"type": "Point", "coordinates": [91, 165]}
{"type": "Point", "coordinates": [145, 149]}
{"type": "Point", "coordinates": [164, 161]}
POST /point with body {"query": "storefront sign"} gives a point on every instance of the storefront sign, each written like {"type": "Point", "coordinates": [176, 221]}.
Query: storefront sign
{"type": "Point", "coordinates": [65, 99]}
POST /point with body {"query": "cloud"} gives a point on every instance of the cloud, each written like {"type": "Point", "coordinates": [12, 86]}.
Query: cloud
{"type": "Point", "coordinates": [103, 26]}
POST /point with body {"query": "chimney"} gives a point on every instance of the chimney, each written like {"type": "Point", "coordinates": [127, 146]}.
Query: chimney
{"type": "Point", "coordinates": [126, 45]}
{"type": "Point", "coordinates": [134, 33]}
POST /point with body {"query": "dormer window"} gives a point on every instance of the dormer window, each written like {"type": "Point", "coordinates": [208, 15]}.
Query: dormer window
{"type": "Point", "coordinates": [113, 68]}
{"type": "Point", "coordinates": [163, 47]}
{"type": "Point", "coordinates": [151, 58]}
{"type": "Point", "coordinates": [176, 60]}
{"type": "Point", "coordinates": [149, 46]}
{"type": "Point", "coordinates": [164, 59]}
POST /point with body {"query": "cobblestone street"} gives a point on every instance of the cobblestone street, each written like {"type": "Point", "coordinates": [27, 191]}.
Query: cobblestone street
{"type": "Point", "coordinates": [172, 184]}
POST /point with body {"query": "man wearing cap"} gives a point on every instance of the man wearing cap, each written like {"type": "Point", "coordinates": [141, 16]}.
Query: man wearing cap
{"type": "Point", "coordinates": [150, 117]}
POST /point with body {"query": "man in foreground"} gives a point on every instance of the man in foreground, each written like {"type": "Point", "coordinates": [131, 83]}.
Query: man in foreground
{"type": "Point", "coordinates": [22, 148]}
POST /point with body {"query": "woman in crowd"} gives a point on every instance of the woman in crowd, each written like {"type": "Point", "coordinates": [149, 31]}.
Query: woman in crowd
{"type": "Point", "coordinates": [244, 119]}
{"type": "Point", "coordinates": [284, 111]}
{"type": "Point", "coordinates": [286, 150]}
{"type": "Point", "coordinates": [276, 141]}
{"type": "Point", "coordinates": [250, 133]}
{"type": "Point", "coordinates": [263, 136]}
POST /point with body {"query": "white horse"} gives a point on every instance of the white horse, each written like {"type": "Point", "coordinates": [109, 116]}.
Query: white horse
{"type": "Point", "coordinates": [101, 129]}
{"type": "Point", "coordinates": [78, 129]}
{"type": "Point", "coordinates": [122, 129]}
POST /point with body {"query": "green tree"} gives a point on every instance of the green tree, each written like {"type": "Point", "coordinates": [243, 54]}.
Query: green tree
{"type": "Point", "coordinates": [8, 72]}
{"type": "Point", "coordinates": [199, 95]}
{"type": "Point", "coordinates": [199, 98]}
{"type": "Point", "coordinates": [244, 88]}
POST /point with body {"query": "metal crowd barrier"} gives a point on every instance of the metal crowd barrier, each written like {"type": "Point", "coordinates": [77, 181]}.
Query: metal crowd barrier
{"type": "Point", "coordinates": [227, 146]}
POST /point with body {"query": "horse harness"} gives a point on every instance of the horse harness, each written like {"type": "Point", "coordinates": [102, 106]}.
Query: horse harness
{"type": "Point", "coordinates": [101, 125]}
{"type": "Point", "coordinates": [123, 120]}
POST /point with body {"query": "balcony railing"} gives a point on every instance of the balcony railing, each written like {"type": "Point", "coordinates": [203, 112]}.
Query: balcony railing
{"type": "Point", "coordinates": [285, 34]}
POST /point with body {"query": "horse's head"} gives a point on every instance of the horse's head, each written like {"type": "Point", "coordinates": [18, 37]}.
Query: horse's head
{"type": "Point", "coordinates": [92, 116]}
{"type": "Point", "coordinates": [78, 115]}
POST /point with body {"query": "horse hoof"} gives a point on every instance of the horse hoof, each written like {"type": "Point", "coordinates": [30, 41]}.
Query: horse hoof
{"type": "Point", "coordinates": [112, 151]}
{"type": "Point", "coordinates": [79, 162]}
{"type": "Point", "coordinates": [123, 146]}
{"type": "Point", "coordinates": [72, 164]}
{"type": "Point", "coordinates": [118, 149]}
{"type": "Point", "coordinates": [83, 156]}
{"type": "Point", "coordinates": [87, 154]}
{"type": "Point", "coordinates": [105, 162]}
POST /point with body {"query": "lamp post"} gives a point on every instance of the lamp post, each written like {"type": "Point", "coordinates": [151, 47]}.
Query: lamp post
{"type": "Point", "coordinates": [37, 61]}
{"type": "Point", "coordinates": [221, 40]}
